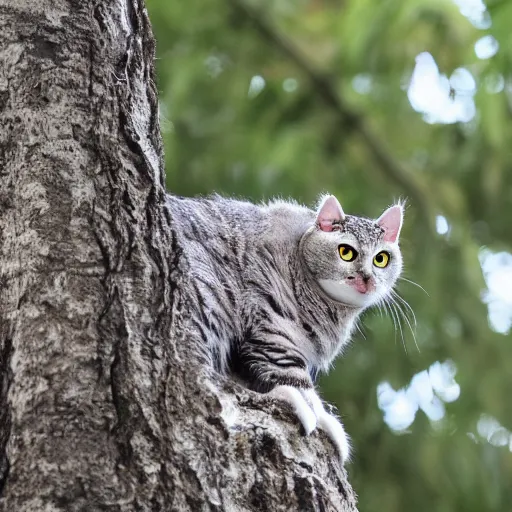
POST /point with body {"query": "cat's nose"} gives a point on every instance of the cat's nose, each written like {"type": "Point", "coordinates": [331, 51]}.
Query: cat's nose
{"type": "Point", "coordinates": [366, 278]}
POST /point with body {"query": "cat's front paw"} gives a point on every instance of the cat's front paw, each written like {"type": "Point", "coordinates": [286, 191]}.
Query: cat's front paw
{"type": "Point", "coordinates": [309, 409]}
{"type": "Point", "coordinates": [334, 429]}
{"type": "Point", "coordinates": [302, 409]}
{"type": "Point", "coordinates": [329, 424]}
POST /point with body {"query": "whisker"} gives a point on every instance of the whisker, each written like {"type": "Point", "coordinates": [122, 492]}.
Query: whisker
{"type": "Point", "coordinates": [406, 318]}
{"type": "Point", "coordinates": [406, 304]}
{"type": "Point", "coordinates": [393, 305]}
{"type": "Point", "coordinates": [358, 327]}
{"type": "Point", "coordinates": [415, 284]}
{"type": "Point", "coordinates": [379, 305]}
{"type": "Point", "coordinates": [394, 318]}
{"type": "Point", "coordinates": [386, 309]}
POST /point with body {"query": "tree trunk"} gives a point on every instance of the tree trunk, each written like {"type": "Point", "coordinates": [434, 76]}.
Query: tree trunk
{"type": "Point", "coordinates": [103, 403]}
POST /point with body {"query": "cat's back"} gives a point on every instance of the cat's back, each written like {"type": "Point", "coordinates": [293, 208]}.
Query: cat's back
{"type": "Point", "coordinates": [232, 220]}
{"type": "Point", "coordinates": [206, 218]}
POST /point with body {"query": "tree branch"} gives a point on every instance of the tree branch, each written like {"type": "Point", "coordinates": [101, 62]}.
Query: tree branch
{"type": "Point", "coordinates": [346, 116]}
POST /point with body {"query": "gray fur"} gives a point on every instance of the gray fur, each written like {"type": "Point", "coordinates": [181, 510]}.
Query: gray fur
{"type": "Point", "coordinates": [256, 272]}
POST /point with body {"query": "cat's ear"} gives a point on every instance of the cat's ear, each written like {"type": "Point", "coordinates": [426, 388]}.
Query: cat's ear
{"type": "Point", "coordinates": [391, 222]}
{"type": "Point", "coordinates": [330, 214]}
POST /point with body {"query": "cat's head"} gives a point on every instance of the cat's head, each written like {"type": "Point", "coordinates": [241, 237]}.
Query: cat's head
{"type": "Point", "coordinates": [356, 261]}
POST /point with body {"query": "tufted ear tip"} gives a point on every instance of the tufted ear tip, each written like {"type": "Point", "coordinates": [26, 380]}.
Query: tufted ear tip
{"type": "Point", "coordinates": [391, 222]}
{"type": "Point", "coordinates": [329, 214]}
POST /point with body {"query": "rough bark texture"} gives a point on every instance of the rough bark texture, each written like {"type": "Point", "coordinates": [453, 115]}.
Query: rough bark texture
{"type": "Point", "coordinates": [103, 404]}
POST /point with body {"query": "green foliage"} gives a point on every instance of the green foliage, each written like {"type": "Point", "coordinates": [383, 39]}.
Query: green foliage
{"type": "Point", "coordinates": [296, 97]}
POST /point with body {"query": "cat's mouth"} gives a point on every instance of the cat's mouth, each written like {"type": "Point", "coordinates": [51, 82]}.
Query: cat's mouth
{"type": "Point", "coordinates": [361, 284]}
{"type": "Point", "coordinates": [352, 292]}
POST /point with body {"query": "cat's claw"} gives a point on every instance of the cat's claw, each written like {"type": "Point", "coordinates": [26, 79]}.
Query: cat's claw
{"type": "Point", "coordinates": [309, 409]}
{"type": "Point", "coordinates": [329, 424]}
{"type": "Point", "coordinates": [300, 407]}
{"type": "Point", "coordinates": [334, 429]}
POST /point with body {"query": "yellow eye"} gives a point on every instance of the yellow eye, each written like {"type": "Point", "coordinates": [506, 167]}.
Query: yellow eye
{"type": "Point", "coordinates": [381, 260]}
{"type": "Point", "coordinates": [347, 253]}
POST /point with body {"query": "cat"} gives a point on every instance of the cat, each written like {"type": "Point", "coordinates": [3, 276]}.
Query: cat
{"type": "Point", "coordinates": [279, 288]}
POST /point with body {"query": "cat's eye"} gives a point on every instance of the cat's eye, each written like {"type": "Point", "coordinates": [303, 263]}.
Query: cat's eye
{"type": "Point", "coordinates": [381, 260]}
{"type": "Point", "coordinates": [347, 253]}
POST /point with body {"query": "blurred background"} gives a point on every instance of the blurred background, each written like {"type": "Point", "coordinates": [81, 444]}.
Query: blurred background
{"type": "Point", "coordinates": [376, 100]}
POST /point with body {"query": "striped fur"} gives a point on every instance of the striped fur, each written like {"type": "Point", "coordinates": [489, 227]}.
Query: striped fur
{"type": "Point", "coordinates": [256, 271]}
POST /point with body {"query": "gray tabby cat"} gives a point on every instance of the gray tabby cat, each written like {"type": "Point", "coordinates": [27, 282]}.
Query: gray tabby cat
{"type": "Point", "coordinates": [279, 288]}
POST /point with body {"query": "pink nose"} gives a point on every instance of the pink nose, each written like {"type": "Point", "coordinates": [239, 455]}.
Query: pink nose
{"type": "Point", "coordinates": [361, 285]}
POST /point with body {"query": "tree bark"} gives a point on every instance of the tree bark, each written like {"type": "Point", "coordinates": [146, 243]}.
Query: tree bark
{"type": "Point", "coordinates": [104, 404]}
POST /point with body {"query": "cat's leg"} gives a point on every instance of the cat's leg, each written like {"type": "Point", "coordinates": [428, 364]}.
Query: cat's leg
{"type": "Point", "coordinates": [271, 363]}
